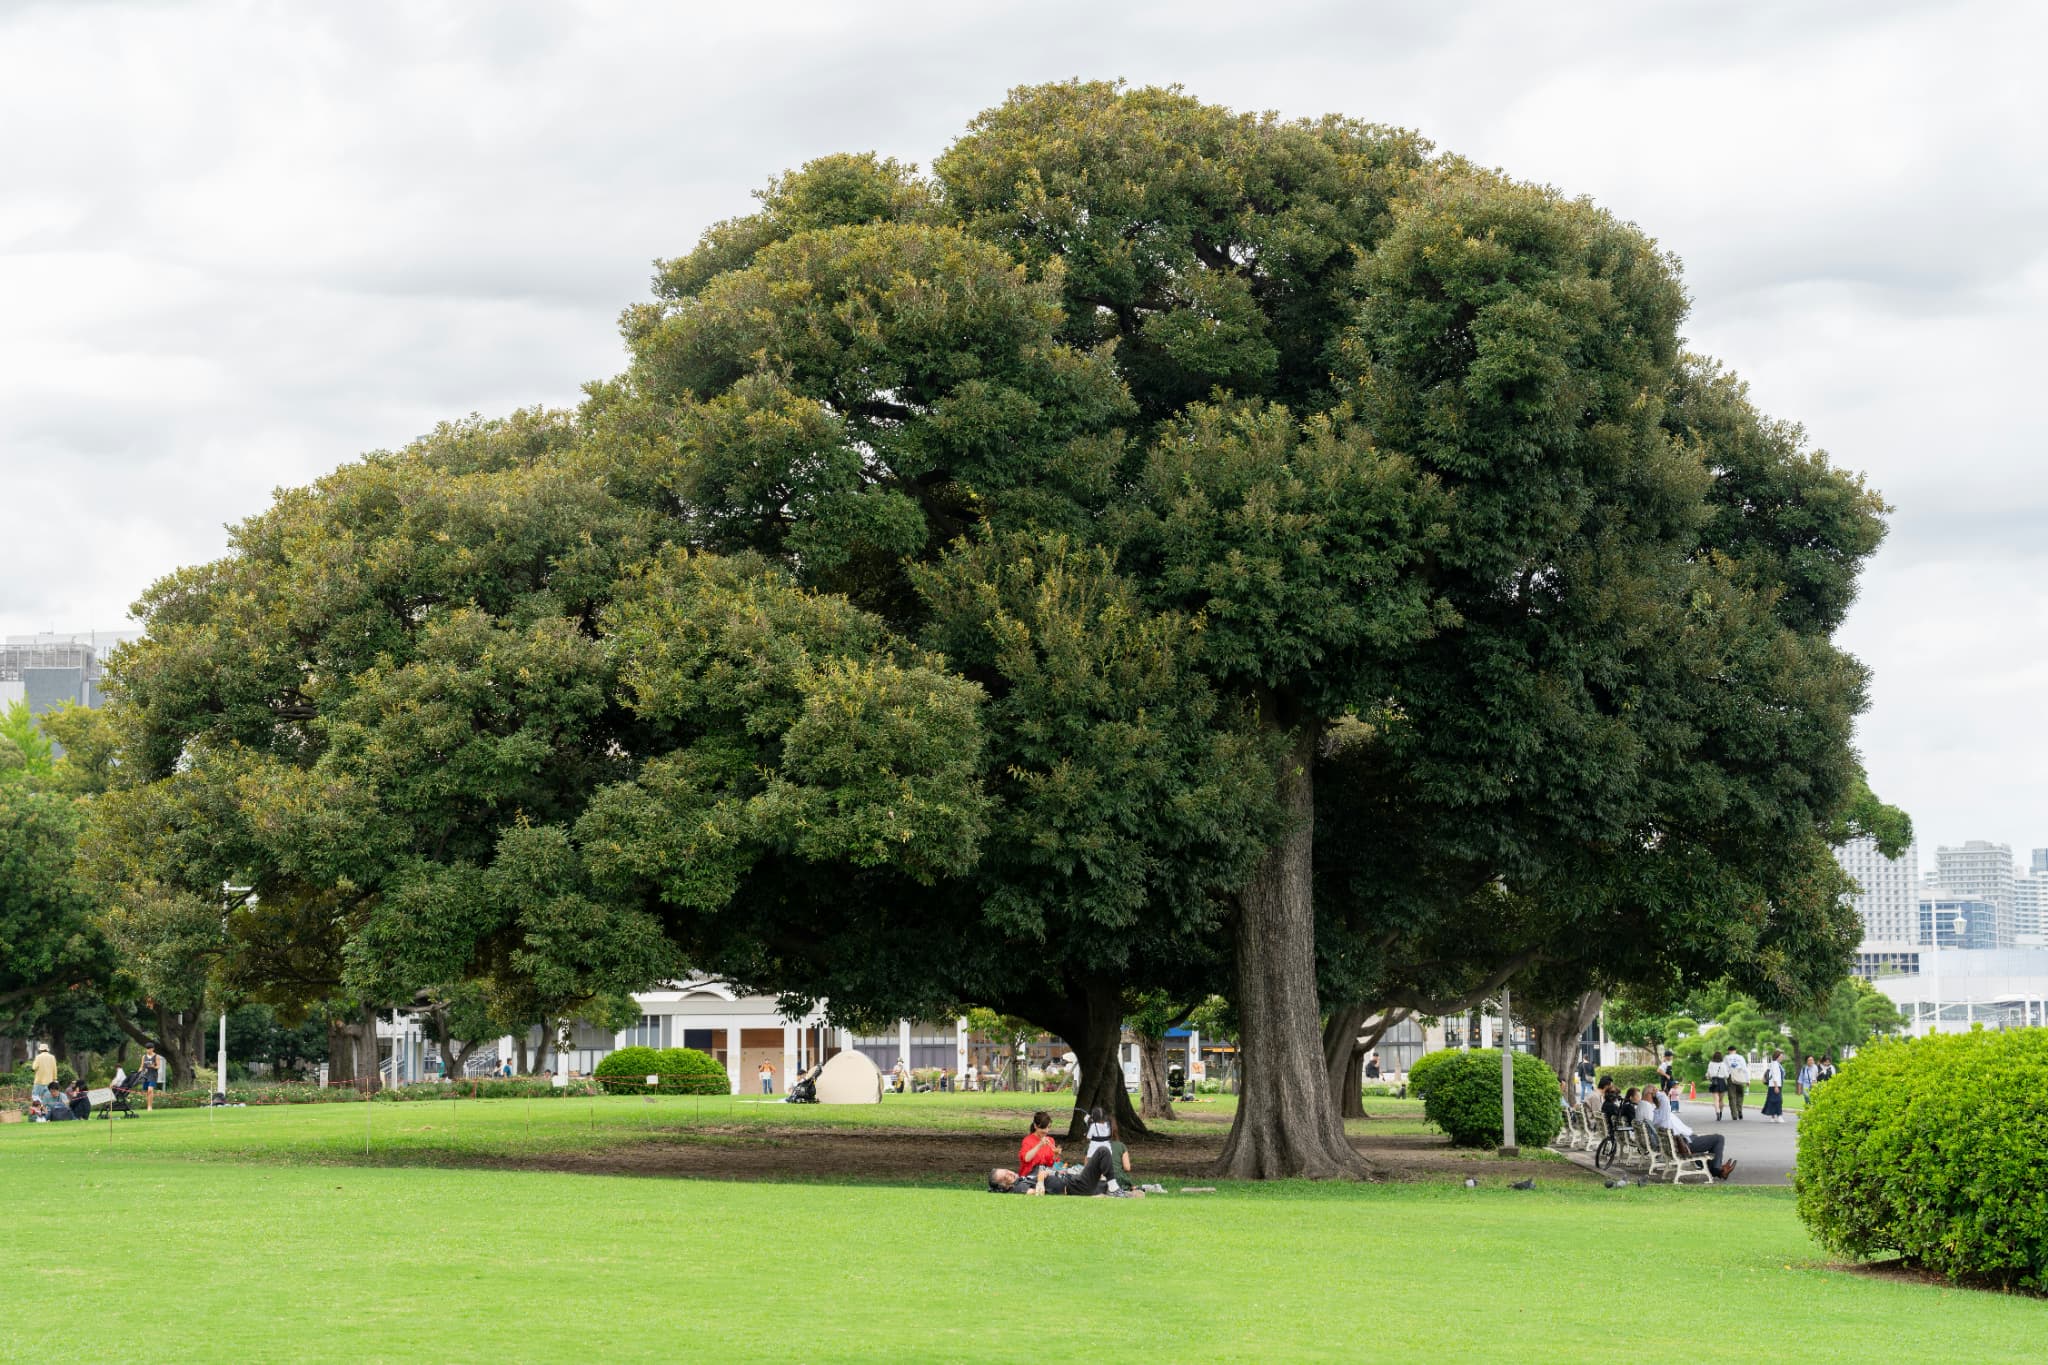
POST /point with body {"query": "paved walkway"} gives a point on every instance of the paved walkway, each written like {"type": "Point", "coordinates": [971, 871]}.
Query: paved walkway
{"type": "Point", "coordinates": [1764, 1153]}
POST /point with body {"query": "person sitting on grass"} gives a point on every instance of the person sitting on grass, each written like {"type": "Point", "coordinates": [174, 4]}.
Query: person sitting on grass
{"type": "Point", "coordinates": [1038, 1150]}
{"type": "Point", "coordinates": [80, 1101]}
{"type": "Point", "coordinates": [1092, 1179]}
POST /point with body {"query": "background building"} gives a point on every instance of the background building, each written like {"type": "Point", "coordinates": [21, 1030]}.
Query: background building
{"type": "Point", "coordinates": [1981, 870]}
{"type": "Point", "coordinates": [1959, 990]}
{"type": "Point", "coordinates": [2030, 905]}
{"type": "Point", "coordinates": [49, 670]}
{"type": "Point", "coordinates": [1888, 902]}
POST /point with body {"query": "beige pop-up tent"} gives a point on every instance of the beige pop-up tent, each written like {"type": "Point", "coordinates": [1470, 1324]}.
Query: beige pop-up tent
{"type": "Point", "coordinates": [850, 1078]}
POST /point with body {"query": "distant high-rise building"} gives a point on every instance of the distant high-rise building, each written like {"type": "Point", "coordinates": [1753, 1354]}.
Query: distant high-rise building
{"type": "Point", "coordinates": [2040, 860]}
{"type": "Point", "coordinates": [1981, 870]}
{"type": "Point", "coordinates": [2030, 909]}
{"type": "Point", "coordinates": [1888, 894]}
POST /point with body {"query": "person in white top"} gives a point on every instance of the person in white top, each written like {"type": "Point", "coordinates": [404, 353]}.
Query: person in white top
{"type": "Point", "coordinates": [1774, 1088]}
{"type": "Point", "coordinates": [1713, 1147]}
{"type": "Point", "coordinates": [1717, 1081]}
{"type": "Point", "coordinates": [1738, 1081]}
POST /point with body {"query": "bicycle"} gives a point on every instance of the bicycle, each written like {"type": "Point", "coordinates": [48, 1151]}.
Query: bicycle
{"type": "Point", "coordinates": [1609, 1148]}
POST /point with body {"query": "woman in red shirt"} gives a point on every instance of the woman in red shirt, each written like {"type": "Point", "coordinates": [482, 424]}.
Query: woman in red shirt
{"type": "Point", "coordinates": [1038, 1148]}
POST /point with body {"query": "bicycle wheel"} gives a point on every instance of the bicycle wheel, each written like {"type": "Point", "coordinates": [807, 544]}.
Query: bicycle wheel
{"type": "Point", "coordinates": [1603, 1155]}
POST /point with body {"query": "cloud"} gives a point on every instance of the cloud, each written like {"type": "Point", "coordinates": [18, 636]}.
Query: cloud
{"type": "Point", "coordinates": [240, 244]}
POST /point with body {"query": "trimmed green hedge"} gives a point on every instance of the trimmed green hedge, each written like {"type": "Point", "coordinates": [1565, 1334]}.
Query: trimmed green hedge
{"type": "Point", "coordinates": [683, 1071]}
{"type": "Point", "coordinates": [1933, 1149]}
{"type": "Point", "coordinates": [1462, 1097]}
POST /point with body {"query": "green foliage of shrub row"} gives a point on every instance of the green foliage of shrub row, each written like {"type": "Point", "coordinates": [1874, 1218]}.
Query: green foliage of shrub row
{"type": "Point", "coordinates": [1935, 1149]}
{"type": "Point", "coordinates": [1637, 1076]}
{"type": "Point", "coordinates": [1463, 1097]}
{"type": "Point", "coordinates": [683, 1071]}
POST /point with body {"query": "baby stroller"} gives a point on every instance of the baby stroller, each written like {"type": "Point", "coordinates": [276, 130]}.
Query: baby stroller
{"type": "Point", "coordinates": [805, 1091]}
{"type": "Point", "coordinates": [111, 1101]}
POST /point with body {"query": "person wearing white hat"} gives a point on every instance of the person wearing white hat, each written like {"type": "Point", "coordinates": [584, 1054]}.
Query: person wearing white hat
{"type": "Point", "coordinates": [45, 1073]}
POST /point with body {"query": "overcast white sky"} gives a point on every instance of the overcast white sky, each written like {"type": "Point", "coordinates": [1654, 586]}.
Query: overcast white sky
{"type": "Point", "coordinates": [240, 244]}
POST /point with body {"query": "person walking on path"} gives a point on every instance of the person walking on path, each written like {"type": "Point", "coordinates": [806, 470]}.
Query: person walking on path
{"type": "Point", "coordinates": [1808, 1072]}
{"type": "Point", "coordinates": [1717, 1080]}
{"type": "Point", "coordinates": [1738, 1083]}
{"type": "Point", "coordinates": [45, 1074]}
{"type": "Point", "coordinates": [151, 1075]}
{"type": "Point", "coordinates": [1774, 1088]}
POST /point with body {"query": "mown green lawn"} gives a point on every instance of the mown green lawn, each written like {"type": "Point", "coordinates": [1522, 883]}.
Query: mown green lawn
{"type": "Point", "coordinates": [255, 1235]}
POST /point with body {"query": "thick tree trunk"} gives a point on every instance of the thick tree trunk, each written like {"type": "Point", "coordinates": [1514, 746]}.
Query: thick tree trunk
{"type": "Point", "coordinates": [1092, 1023]}
{"type": "Point", "coordinates": [1344, 1059]}
{"type": "Point", "coordinates": [1352, 1031]}
{"type": "Point", "coordinates": [7, 1046]}
{"type": "Point", "coordinates": [1287, 1123]}
{"type": "Point", "coordinates": [366, 1057]}
{"type": "Point", "coordinates": [341, 1052]}
{"type": "Point", "coordinates": [524, 1068]}
{"type": "Point", "coordinates": [1556, 1034]}
{"type": "Point", "coordinates": [1155, 1100]}
{"type": "Point", "coordinates": [60, 1046]}
{"type": "Point", "coordinates": [175, 1044]}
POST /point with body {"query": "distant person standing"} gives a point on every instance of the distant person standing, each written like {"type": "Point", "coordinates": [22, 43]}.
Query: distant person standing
{"type": "Point", "coordinates": [1738, 1082]}
{"type": "Point", "coordinates": [1587, 1073]}
{"type": "Point", "coordinates": [1717, 1080]}
{"type": "Point", "coordinates": [1665, 1076]}
{"type": "Point", "coordinates": [1774, 1088]}
{"type": "Point", "coordinates": [45, 1074]}
{"type": "Point", "coordinates": [1808, 1073]}
{"type": "Point", "coordinates": [1372, 1067]}
{"type": "Point", "coordinates": [767, 1074]}
{"type": "Point", "coordinates": [1827, 1069]}
{"type": "Point", "coordinates": [152, 1076]}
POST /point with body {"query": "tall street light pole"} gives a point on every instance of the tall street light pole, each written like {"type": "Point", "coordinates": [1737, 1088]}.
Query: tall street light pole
{"type": "Point", "coordinates": [1507, 1077]}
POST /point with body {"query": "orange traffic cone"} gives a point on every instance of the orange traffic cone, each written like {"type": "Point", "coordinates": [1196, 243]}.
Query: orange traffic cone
{"type": "Point", "coordinates": [1692, 1090]}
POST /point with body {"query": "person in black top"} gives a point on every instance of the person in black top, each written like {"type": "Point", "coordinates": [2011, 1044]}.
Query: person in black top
{"type": "Point", "coordinates": [1093, 1178]}
{"type": "Point", "coordinates": [81, 1103]}
{"type": "Point", "coordinates": [1372, 1067]}
{"type": "Point", "coordinates": [1664, 1077]}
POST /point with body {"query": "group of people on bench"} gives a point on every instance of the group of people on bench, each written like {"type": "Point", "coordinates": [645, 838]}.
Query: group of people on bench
{"type": "Point", "coordinates": [1655, 1107]}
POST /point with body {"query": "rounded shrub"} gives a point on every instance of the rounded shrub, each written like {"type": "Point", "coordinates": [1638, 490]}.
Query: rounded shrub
{"type": "Point", "coordinates": [1932, 1149]}
{"type": "Point", "coordinates": [692, 1072]}
{"type": "Point", "coordinates": [1461, 1095]}
{"type": "Point", "coordinates": [1426, 1066]}
{"type": "Point", "coordinates": [628, 1070]}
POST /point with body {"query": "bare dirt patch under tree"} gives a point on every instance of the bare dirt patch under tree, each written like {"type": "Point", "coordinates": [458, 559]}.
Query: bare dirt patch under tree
{"type": "Point", "coordinates": [752, 1152]}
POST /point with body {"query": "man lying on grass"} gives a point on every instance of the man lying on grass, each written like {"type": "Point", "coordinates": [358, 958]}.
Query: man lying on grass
{"type": "Point", "coordinates": [1092, 1178]}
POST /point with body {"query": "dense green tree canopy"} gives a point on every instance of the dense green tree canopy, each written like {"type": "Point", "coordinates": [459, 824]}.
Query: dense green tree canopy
{"type": "Point", "coordinates": [1162, 549]}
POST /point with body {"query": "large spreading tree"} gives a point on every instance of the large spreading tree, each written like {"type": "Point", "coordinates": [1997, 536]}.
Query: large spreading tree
{"type": "Point", "coordinates": [1161, 550]}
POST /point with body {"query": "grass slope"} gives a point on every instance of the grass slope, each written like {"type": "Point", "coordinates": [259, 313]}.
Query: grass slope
{"type": "Point", "coordinates": [245, 1236]}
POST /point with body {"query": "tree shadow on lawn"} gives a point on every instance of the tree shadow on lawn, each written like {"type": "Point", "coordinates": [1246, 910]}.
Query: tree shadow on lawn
{"type": "Point", "coordinates": [914, 1155]}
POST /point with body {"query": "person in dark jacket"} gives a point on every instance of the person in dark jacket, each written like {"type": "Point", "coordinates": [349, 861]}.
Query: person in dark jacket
{"type": "Point", "coordinates": [1090, 1179]}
